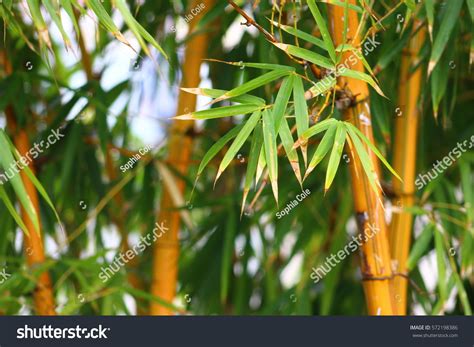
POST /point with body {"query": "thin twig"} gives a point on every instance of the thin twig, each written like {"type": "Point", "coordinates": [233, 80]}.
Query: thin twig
{"type": "Point", "coordinates": [251, 22]}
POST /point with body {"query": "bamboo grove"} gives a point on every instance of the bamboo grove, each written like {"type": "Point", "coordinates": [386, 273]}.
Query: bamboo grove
{"type": "Point", "coordinates": [236, 157]}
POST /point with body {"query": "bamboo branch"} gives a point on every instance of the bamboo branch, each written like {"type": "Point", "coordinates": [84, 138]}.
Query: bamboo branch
{"type": "Point", "coordinates": [271, 38]}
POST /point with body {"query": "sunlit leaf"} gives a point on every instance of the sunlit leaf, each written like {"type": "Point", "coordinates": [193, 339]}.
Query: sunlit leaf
{"type": "Point", "coordinates": [140, 33]}
{"type": "Point", "coordinates": [8, 162]}
{"type": "Point", "coordinates": [301, 113]}
{"type": "Point", "coordinates": [262, 66]}
{"type": "Point", "coordinates": [255, 148]}
{"type": "Point", "coordinates": [306, 54]}
{"type": "Point", "coordinates": [448, 22]}
{"type": "Point", "coordinates": [322, 149]}
{"type": "Point", "coordinates": [288, 143]}
{"type": "Point", "coordinates": [336, 153]}
{"type": "Point", "coordinates": [270, 147]}
{"type": "Point", "coordinates": [363, 77]}
{"type": "Point", "coordinates": [420, 246]}
{"type": "Point", "coordinates": [240, 139]}
{"type": "Point", "coordinates": [301, 34]}
{"type": "Point", "coordinates": [323, 29]}
{"type": "Point", "coordinates": [216, 93]}
{"type": "Point", "coordinates": [216, 148]}
{"type": "Point", "coordinates": [219, 112]}
{"type": "Point", "coordinates": [253, 84]}
{"type": "Point", "coordinates": [373, 149]}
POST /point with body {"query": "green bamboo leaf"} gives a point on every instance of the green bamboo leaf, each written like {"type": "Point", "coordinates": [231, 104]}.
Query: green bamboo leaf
{"type": "Point", "coordinates": [66, 4]}
{"type": "Point", "coordinates": [239, 142]}
{"type": "Point", "coordinates": [281, 101]}
{"type": "Point", "coordinates": [336, 154]}
{"type": "Point", "coordinates": [307, 55]}
{"type": "Point", "coordinates": [106, 20]}
{"type": "Point", "coordinates": [70, 160]}
{"type": "Point", "coordinates": [429, 7]}
{"type": "Point", "coordinates": [12, 210]}
{"type": "Point", "coordinates": [363, 77]}
{"type": "Point", "coordinates": [140, 33]}
{"type": "Point", "coordinates": [301, 113]}
{"type": "Point", "coordinates": [451, 16]}
{"type": "Point", "coordinates": [315, 129]}
{"type": "Point", "coordinates": [462, 294]}
{"type": "Point", "coordinates": [442, 282]}
{"type": "Point", "coordinates": [261, 165]}
{"type": "Point", "coordinates": [323, 148]}
{"type": "Point", "coordinates": [270, 146]}
{"type": "Point", "coordinates": [364, 158]}
{"type": "Point", "coordinates": [7, 161]}
{"type": "Point", "coordinates": [55, 13]}
{"type": "Point", "coordinates": [255, 148]}
{"type": "Point", "coordinates": [216, 148]}
{"type": "Point", "coordinates": [38, 20]}
{"type": "Point", "coordinates": [410, 4]}
{"type": "Point", "coordinates": [439, 84]}
{"type": "Point", "coordinates": [149, 297]}
{"type": "Point", "coordinates": [262, 66]}
{"type": "Point", "coordinates": [468, 193]}
{"type": "Point", "coordinates": [420, 246]}
{"type": "Point", "coordinates": [253, 84]}
{"type": "Point", "coordinates": [323, 29]}
{"type": "Point", "coordinates": [216, 93]}
{"type": "Point", "coordinates": [358, 54]}
{"type": "Point", "coordinates": [219, 112]}
{"type": "Point", "coordinates": [288, 143]}
{"type": "Point", "coordinates": [373, 149]}
{"type": "Point", "coordinates": [301, 34]}
{"type": "Point", "coordinates": [14, 26]}
{"type": "Point", "coordinates": [343, 3]}
{"type": "Point", "coordinates": [39, 187]}
{"type": "Point", "coordinates": [394, 52]}
{"type": "Point", "coordinates": [470, 6]}
{"type": "Point", "coordinates": [227, 254]}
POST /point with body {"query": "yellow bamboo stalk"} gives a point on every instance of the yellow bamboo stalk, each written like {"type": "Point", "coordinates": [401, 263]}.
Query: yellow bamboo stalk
{"type": "Point", "coordinates": [404, 162]}
{"type": "Point", "coordinates": [166, 249]}
{"type": "Point", "coordinates": [43, 295]}
{"type": "Point", "coordinates": [375, 254]}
